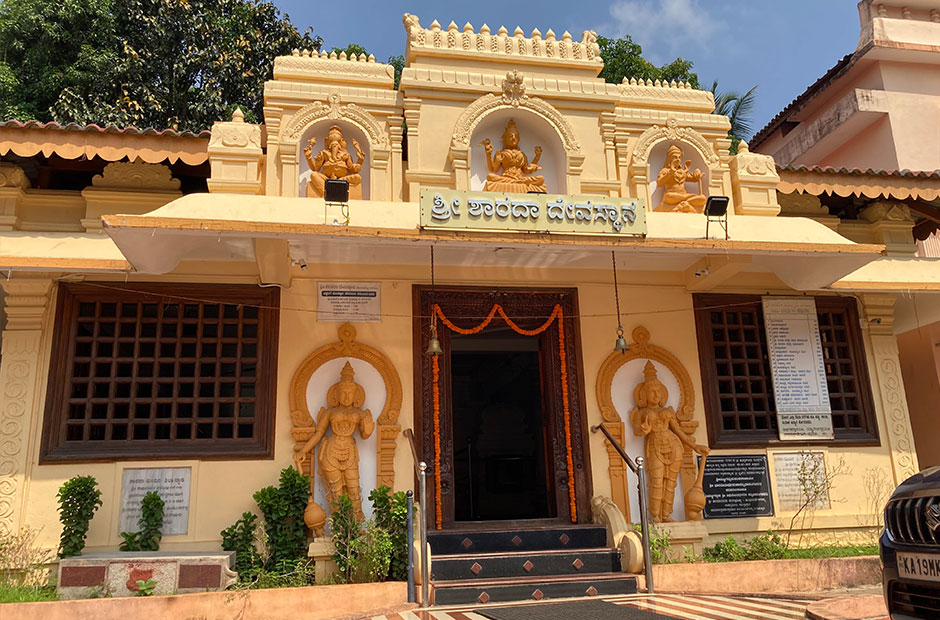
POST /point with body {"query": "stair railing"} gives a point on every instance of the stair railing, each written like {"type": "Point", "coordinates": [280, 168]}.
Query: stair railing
{"type": "Point", "coordinates": [637, 468]}
{"type": "Point", "coordinates": [421, 469]}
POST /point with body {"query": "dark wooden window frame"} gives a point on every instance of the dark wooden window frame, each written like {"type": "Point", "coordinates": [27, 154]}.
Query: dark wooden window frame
{"type": "Point", "coordinates": [529, 308]}
{"type": "Point", "coordinates": [718, 437]}
{"type": "Point", "coordinates": [55, 448]}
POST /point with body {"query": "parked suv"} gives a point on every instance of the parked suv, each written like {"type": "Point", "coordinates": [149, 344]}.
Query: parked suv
{"type": "Point", "coordinates": [910, 548]}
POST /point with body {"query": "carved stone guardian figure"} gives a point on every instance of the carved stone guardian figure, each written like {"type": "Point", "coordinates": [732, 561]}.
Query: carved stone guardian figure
{"type": "Point", "coordinates": [663, 449]}
{"type": "Point", "coordinates": [334, 162]}
{"type": "Point", "coordinates": [338, 458]}
{"type": "Point", "coordinates": [515, 165]}
{"type": "Point", "coordinates": [673, 177]}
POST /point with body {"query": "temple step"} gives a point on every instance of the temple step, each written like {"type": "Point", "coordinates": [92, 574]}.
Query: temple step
{"type": "Point", "coordinates": [524, 564]}
{"type": "Point", "coordinates": [504, 590]}
{"type": "Point", "coordinates": [557, 538]}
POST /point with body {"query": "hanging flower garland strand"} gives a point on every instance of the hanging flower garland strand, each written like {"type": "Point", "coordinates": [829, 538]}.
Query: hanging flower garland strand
{"type": "Point", "coordinates": [558, 314]}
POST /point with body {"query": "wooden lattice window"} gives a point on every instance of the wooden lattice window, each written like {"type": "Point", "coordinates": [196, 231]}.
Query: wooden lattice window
{"type": "Point", "coordinates": [161, 371]}
{"type": "Point", "coordinates": [736, 378]}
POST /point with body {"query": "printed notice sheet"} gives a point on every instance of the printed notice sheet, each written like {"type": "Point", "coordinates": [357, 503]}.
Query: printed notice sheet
{"type": "Point", "coordinates": [355, 302]}
{"type": "Point", "coordinates": [797, 368]}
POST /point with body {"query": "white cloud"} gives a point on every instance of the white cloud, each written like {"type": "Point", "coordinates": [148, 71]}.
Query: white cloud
{"type": "Point", "coordinates": [666, 28]}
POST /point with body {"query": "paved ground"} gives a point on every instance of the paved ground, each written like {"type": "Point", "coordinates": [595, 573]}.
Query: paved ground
{"type": "Point", "coordinates": [686, 607]}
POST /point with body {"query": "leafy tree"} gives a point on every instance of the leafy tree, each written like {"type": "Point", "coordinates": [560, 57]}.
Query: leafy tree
{"type": "Point", "coordinates": [738, 108]}
{"type": "Point", "coordinates": [398, 62]}
{"type": "Point", "coordinates": [623, 58]}
{"type": "Point", "coordinates": [161, 63]}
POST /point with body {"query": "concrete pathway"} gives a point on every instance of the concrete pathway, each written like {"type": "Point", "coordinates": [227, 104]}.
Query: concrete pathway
{"type": "Point", "coordinates": [685, 607]}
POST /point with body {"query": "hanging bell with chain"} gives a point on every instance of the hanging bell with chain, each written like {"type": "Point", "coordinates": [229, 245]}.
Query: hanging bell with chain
{"type": "Point", "coordinates": [621, 342]}
{"type": "Point", "coordinates": [434, 346]}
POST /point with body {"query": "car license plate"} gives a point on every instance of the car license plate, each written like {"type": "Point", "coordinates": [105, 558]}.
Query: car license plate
{"type": "Point", "coordinates": [919, 566]}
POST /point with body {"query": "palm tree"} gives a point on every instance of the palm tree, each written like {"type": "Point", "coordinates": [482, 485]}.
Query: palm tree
{"type": "Point", "coordinates": [738, 109]}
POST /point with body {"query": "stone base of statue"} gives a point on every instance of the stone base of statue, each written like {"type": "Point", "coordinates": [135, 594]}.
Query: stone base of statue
{"type": "Point", "coordinates": [321, 549]}
{"type": "Point", "coordinates": [685, 535]}
{"type": "Point", "coordinates": [513, 188]}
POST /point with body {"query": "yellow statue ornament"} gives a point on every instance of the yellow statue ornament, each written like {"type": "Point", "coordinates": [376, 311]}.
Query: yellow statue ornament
{"type": "Point", "coordinates": [664, 442]}
{"type": "Point", "coordinates": [515, 166]}
{"type": "Point", "coordinates": [338, 457]}
{"type": "Point", "coordinates": [673, 177]}
{"type": "Point", "coordinates": [334, 162]}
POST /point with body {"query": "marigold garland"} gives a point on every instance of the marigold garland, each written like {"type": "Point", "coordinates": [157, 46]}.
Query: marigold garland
{"type": "Point", "coordinates": [557, 313]}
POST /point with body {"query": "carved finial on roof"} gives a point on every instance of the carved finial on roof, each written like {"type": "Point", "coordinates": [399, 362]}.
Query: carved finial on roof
{"type": "Point", "coordinates": [550, 35]}
{"type": "Point", "coordinates": [536, 34]}
{"type": "Point", "coordinates": [451, 27]}
{"type": "Point", "coordinates": [371, 58]}
{"type": "Point", "coordinates": [333, 56]}
{"type": "Point", "coordinates": [342, 55]}
{"type": "Point", "coordinates": [436, 26]}
{"type": "Point", "coordinates": [484, 29]}
{"type": "Point", "coordinates": [468, 28]}
{"type": "Point", "coordinates": [742, 148]}
{"type": "Point", "coordinates": [295, 52]}
{"type": "Point", "coordinates": [502, 32]}
{"type": "Point", "coordinates": [237, 115]}
{"type": "Point", "coordinates": [518, 32]}
{"type": "Point", "coordinates": [566, 36]}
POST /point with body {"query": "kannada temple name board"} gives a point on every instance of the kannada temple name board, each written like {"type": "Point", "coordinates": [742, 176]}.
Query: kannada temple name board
{"type": "Point", "coordinates": [542, 213]}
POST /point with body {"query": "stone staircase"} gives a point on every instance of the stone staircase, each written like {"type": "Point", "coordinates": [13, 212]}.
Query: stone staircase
{"type": "Point", "coordinates": [474, 566]}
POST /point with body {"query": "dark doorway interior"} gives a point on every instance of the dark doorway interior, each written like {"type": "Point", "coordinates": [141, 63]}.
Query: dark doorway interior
{"type": "Point", "coordinates": [500, 457]}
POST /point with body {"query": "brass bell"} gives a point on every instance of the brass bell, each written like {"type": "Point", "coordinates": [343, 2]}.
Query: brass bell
{"type": "Point", "coordinates": [621, 342]}
{"type": "Point", "coordinates": [434, 347]}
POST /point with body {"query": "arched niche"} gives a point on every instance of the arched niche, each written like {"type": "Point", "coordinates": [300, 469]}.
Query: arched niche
{"type": "Point", "coordinates": [333, 112]}
{"type": "Point", "coordinates": [533, 131]}
{"type": "Point", "coordinates": [650, 150]}
{"type": "Point", "coordinates": [657, 159]}
{"type": "Point", "coordinates": [514, 103]}
{"type": "Point", "coordinates": [308, 387]}
{"type": "Point", "coordinates": [351, 132]}
{"type": "Point", "coordinates": [619, 374]}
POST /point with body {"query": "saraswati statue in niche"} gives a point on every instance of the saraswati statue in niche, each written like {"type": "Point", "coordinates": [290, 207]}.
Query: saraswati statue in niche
{"type": "Point", "coordinates": [673, 177]}
{"type": "Point", "coordinates": [334, 162]}
{"type": "Point", "coordinates": [516, 166]}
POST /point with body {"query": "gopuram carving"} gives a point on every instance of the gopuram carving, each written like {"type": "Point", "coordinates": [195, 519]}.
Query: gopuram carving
{"type": "Point", "coordinates": [673, 177]}
{"type": "Point", "coordinates": [334, 162]}
{"type": "Point", "coordinates": [664, 447]}
{"type": "Point", "coordinates": [515, 165]}
{"type": "Point", "coordinates": [338, 457]}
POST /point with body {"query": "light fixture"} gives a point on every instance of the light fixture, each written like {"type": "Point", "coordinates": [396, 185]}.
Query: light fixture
{"type": "Point", "coordinates": [434, 346]}
{"type": "Point", "coordinates": [336, 190]}
{"type": "Point", "coordinates": [716, 208]}
{"type": "Point", "coordinates": [621, 344]}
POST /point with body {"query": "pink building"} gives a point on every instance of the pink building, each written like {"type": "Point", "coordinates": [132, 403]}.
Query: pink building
{"type": "Point", "coordinates": [866, 136]}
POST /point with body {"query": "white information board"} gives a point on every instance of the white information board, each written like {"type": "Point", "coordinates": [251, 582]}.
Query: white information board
{"type": "Point", "coordinates": [172, 483]}
{"type": "Point", "coordinates": [349, 301]}
{"type": "Point", "coordinates": [797, 368]}
{"type": "Point", "coordinates": [789, 469]}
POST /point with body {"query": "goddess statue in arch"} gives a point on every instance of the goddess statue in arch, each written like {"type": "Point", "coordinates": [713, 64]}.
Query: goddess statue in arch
{"type": "Point", "coordinates": [515, 165]}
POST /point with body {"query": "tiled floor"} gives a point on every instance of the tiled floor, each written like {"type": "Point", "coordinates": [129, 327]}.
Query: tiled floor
{"type": "Point", "coordinates": [686, 607]}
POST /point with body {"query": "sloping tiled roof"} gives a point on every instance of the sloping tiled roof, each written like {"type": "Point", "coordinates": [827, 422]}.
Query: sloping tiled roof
{"type": "Point", "coordinates": [845, 182]}
{"type": "Point", "coordinates": [844, 64]}
{"type": "Point", "coordinates": [111, 143]}
{"type": "Point", "coordinates": [110, 129]}
{"type": "Point", "coordinates": [913, 174]}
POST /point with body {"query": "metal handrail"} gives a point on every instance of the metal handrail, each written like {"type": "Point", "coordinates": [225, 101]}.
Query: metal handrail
{"type": "Point", "coordinates": [637, 468]}
{"type": "Point", "coordinates": [421, 469]}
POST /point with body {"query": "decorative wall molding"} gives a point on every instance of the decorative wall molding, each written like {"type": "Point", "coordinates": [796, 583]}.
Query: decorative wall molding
{"type": "Point", "coordinates": [613, 421]}
{"type": "Point", "coordinates": [386, 423]}
{"type": "Point", "coordinates": [307, 64]}
{"type": "Point", "coordinates": [673, 132]}
{"type": "Point", "coordinates": [235, 134]}
{"type": "Point", "coordinates": [12, 175]}
{"type": "Point", "coordinates": [26, 305]}
{"type": "Point", "coordinates": [332, 110]}
{"type": "Point", "coordinates": [136, 175]}
{"type": "Point", "coordinates": [513, 96]}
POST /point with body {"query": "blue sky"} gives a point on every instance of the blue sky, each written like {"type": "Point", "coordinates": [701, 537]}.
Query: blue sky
{"type": "Point", "coordinates": [780, 46]}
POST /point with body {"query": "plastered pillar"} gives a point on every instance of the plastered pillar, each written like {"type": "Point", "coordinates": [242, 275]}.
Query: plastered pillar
{"type": "Point", "coordinates": [879, 322]}
{"type": "Point", "coordinates": [21, 371]}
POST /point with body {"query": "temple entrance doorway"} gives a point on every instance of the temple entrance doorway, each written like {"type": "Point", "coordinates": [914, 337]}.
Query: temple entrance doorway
{"type": "Point", "coordinates": [499, 414]}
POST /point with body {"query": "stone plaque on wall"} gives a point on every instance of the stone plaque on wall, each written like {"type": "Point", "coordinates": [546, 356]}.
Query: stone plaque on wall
{"type": "Point", "coordinates": [355, 302]}
{"type": "Point", "coordinates": [737, 486]}
{"type": "Point", "coordinates": [172, 483]}
{"type": "Point", "coordinates": [795, 470]}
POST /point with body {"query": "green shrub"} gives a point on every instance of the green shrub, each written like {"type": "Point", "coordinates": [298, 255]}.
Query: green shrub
{"type": "Point", "coordinates": [286, 574]}
{"type": "Point", "coordinates": [372, 553]}
{"type": "Point", "coordinates": [767, 546]}
{"type": "Point", "coordinates": [345, 528]}
{"type": "Point", "coordinates": [151, 526]}
{"type": "Point", "coordinates": [660, 544]}
{"type": "Point", "coordinates": [282, 508]}
{"type": "Point", "coordinates": [390, 511]}
{"type": "Point", "coordinates": [726, 551]}
{"type": "Point", "coordinates": [79, 498]}
{"type": "Point", "coordinates": [240, 538]}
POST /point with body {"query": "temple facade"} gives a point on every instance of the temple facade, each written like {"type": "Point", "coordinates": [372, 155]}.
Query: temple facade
{"type": "Point", "coordinates": [504, 255]}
